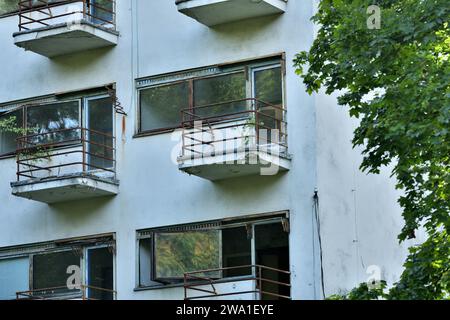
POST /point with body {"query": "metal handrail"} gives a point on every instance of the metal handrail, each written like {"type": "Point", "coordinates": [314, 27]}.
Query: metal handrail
{"type": "Point", "coordinates": [82, 292]}
{"type": "Point", "coordinates": [28, 149]}
{"type": "Point", "coordinates": [231, 119]}
{"type": "Point", "coordinates": [27, 7]}
{"type": "Point", "coordinates": [190, 282]}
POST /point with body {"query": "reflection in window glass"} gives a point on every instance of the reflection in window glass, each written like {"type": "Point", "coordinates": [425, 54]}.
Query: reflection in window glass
{"type": "Point", "coordinates": [236, 251]}
{"type": "Point", "coordinates": [100, 120]}
{"type": "Point", "coordinates": [268, 86]}
{"type": "Point", "coordinates": [8, 139]}
{"type": "Point", "coordinates": [10, 6]}
{"type": "Point", "coordinates": [220, 89]}
{"type": "Point", "coordinates": [161, 107]}
{"type": "Point", "coordinates": [14, 277]}
{"type": "Point", "coordinates": [100, 273]}
{"type": "Point", "coordinates": [46, 119]}
{"type": "Point", "coordinates": [102, 10]}
{"type": "Point", "coordinates": [177, 253]}
{"type": "Point", "coordinates": [50, 270]}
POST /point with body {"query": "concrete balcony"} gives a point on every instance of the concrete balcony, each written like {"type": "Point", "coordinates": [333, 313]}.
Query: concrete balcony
{"type": "Point", "coordinates": [52, 29]}
{"type": "Point", "coordinates": [215, 12]}
{"type": "Point", "coordinates": [234, 139]}
{"type": "Point", "coordinates": [65, 165]}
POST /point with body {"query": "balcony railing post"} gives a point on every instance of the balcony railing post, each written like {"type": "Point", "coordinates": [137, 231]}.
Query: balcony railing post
{"type": "Point", "coordinates": [85, 4]}
{"type": "Point", "coordinates": [83, 139]}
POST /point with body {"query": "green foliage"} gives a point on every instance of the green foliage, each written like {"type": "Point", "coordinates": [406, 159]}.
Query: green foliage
{"type": "Point", "coordinates": [177, 253]}
{"type": "Point", "coordinates": [396, 81]}
{"type": "Point", "coordinates": [9, 125]}
{"type": "Point", "coordinates": [363, 292]}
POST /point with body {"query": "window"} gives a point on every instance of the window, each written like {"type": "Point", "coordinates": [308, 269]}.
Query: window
{"type": "Point", "coordinates": [59, 122]}
{"type": "Point", "coordinates": [176, 253]}
{"type": "Point", "coordinates": [13, 277]}
{"type": "Point", "coordinates": [53, 122]}
{"type": "Point", "coordinates": [12, 6]}
{"type": "Point", "coordinates": [102, 11]}
{"type": "Point", "coordinates": [8, 6]}
{"type": "Point", "coordinates": [160, 107]}
{"type": "Point", "coordinates": [7, 138]}
{"type": "Point", "coordinates": [216, 96]}
{"type": "Point", "coordinates": [100, 273]}
{"type": "Point", "coordinates": [220, 249]}
{"type": "Point", "coordinates": [42, 270]}
{"type": "Point", "coordinates": [214, 93]}
{"type": "Point", "coordinates": [99, 120]}
{"type": "Point", "coordinates": [50, 269]}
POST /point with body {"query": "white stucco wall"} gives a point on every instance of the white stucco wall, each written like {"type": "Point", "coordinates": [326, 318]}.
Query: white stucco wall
{"type": "Point", "coordinates": [155, 38]}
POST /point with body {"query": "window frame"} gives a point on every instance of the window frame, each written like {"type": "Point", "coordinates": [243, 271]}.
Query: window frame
{"type": "Point", "coordinates": [246, 67]}
{"type": "Point", "coordinates": [13, 153]}
{"type": "Point", "coordinates": [82, 100]}
{"type": "Point", "coordinates": [229, 223]}
{"type": "Point", "coordinates": [50, 248]}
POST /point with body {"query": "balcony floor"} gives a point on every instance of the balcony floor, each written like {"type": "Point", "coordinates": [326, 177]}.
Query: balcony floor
{"type": "Point", "coordinates": [63, 38]}
{"type": "Point", "coordinates": [65, 188]}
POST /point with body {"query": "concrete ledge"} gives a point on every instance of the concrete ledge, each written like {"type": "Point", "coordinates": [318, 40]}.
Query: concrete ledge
{"type": "Point", "coordinates": [65, 188]}
{"type": "Point", "coordinates": [65, 38]}
{"type": "Point", "coordinates": [215, 12]}
{"type": "Point", "coordinates": [232, 165]}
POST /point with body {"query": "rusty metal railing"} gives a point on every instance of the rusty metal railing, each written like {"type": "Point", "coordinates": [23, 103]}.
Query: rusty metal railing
{"type": "Point", "coordinates": [45, 13]}
{"type": "Point", "coordinates": [83, 293]}
{"type": "Point", "coordinates": [197, 281]}
{"type": "Point", "coordinates": [251, 116]}
{"type": "Point", "coordinates": [58, 147]}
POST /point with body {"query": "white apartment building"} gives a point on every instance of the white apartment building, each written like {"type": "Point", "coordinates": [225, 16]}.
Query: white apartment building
{"type": "Point", "coordinates": [168, 150]}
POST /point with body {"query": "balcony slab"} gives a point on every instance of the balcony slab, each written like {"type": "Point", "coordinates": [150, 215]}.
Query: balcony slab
{"type": "Point", "coordinates": [65, 188]}
{"type": "Point", "coordinates": [233, 165]}
{"type": "Point", "coordinates": [216, 12]}
{"type": "Point", "coordinates": [65, 38]}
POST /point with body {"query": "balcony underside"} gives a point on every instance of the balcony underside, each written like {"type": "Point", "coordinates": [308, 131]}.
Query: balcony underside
{"type": "Point", "coordinates": [233, 165]}
{"type": "Point", "coordinates": [65, 38]}
{"type": "Point", "coordinates": [215, 12]}
{"type": "Point", "coordinates": [65, 188]}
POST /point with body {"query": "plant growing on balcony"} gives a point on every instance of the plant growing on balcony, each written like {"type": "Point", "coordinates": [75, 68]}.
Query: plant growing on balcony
{"type": "Point", "coordinates": [9, 125]}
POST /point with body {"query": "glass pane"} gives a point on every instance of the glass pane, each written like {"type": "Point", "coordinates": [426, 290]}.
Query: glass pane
{"type": "Point", "coordinates": [7, 138]}
{"type": "Point", "coordinates": [272, 250]}
{"type": "Point", "coordinates": [13, 277]}
{"type": "Point", "coordinates": [8, 6]}
{"type": "Point", "coordinates": [220, 90]}
{"type": "Point", "coordinates": [100, 274]}
{"type": "Point", "coordinates": [177, 253]}
{"type": "Point", "coordinates": [161, 106]}
{"type": "Point", "coordinates": [268, 86]}
{"type": "Point", "coordinates": [45, 120]}
{"type": "Point", "coordinates": [101, 11]}
{"type": "Point", "coordinates": [236, 251]}
{"type": "Point", "coordinates": [145, 258]}
{"type": "Point", "coordinates": [100, 121]}
{"type": "Point", "coordinates": [50, 270]}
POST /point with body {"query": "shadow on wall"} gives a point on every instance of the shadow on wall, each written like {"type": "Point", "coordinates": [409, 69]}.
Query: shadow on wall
{"type": "Point", "coordinates": [79, 62]}
{"type": "Point", "coordinates": [243, 187]}
{"type": "Point", "coordinates": [81, 211]}
{"type": "Point", "coordinates": [245, 30]}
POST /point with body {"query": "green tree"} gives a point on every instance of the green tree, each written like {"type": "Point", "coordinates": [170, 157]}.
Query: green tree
{"type": "Point", "coordinates": [395, 80]}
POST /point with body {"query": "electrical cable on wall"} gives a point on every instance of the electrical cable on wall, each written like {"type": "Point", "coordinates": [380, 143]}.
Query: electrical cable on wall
{"type": "Point", "coordinates": [317, 217]}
